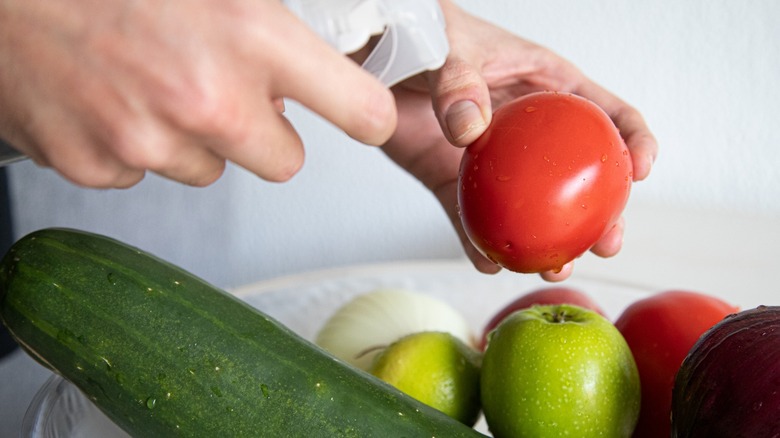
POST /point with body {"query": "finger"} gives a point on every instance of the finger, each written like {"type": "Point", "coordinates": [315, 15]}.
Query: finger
{"type": "Point", "coordinates": [640, 142]}
{"type": "Point", "coordinates": [639, 139]}
{"type": "Point", "coordinates": [610, 244]}
{"type": "Point", "coordinates": [558, 275]}
{"type": "Point", "coordinates": [480, 262]}
{"type": "Point", "coordinates": [336, 88]}
{"type": "Point", "coordinates": [193, 165]}
{"type": "Point", "coordinates": [448, 197]}
{"type": "Point", "coordinates": [267, 146]}
{"type": "Point", "coordinates": [87, 170]}
{"type": "Point", "coordinates": [201, 133]}
{"type": "Point", "coordinates": [74, 151]}
{"type": "Point", "coordinates": [461, 101]}
{"type": "Point", "coordinates": [87, 166]}
{"type": "Point", "coordinates": [148, 143]}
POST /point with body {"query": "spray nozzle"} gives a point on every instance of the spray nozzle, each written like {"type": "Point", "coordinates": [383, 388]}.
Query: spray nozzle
{"type": "Point", "coordinates": [413, 38]}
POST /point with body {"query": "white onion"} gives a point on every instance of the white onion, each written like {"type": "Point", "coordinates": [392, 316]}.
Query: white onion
{"type": "Point", "coordinates": [361, 328]}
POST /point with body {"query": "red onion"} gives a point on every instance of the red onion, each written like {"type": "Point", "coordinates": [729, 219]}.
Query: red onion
{"type": "Point", "coordinates": [729, 384]}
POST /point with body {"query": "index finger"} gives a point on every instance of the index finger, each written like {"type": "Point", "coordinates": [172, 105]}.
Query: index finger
{"type": "Point", "coordinates": [333, 86]}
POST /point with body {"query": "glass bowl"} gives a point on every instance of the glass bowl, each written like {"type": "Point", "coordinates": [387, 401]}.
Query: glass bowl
{"type": "Point", "coordinates": [60, 410]}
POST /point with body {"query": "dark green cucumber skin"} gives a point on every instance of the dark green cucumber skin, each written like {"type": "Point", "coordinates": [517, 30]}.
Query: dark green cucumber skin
{"type": "Point", "coordinates": [164, 353]}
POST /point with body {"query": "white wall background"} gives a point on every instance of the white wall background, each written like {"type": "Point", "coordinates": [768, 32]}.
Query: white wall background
{"type": "Point", "coordinates": [704, 73]}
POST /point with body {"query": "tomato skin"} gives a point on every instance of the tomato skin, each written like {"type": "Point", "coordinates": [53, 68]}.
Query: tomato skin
{"type": "Point", "coordinates": [548, 178]}
{"type": "Point", "coordinates": [548, 295]}
{"type": "Point", "coordinates": [660, 330]}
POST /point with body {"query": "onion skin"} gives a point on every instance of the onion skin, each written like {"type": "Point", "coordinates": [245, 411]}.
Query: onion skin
{"type": "Point", "coordinates": [358, 330]}
{"type": "Point", "coordinates": [729, 384]}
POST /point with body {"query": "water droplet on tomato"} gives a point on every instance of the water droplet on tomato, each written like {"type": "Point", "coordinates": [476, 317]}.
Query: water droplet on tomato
{"type": "Point", "coordinates": [584, 206]}
{"type": "Point", "coordinates": [604, 158]}
{"type": "Point", "coordinates": [503, 178]}
{"type": "Point", "coordinates": [530, 109]}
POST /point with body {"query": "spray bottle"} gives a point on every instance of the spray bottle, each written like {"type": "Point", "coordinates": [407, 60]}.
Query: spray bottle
{"type": "Point", "coordinates": [412, 39]}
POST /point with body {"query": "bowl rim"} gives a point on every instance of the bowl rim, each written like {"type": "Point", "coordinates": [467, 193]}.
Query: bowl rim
{"type": "Point", "coordinates": [41, 405]}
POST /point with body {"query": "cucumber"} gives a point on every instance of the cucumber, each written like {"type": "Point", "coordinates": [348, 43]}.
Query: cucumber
{"type": "Point", "coordinates": [163, 353]}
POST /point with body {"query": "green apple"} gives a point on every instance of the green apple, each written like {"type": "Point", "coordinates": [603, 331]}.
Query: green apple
{"type": "Point", "coordinates": [559, 370]}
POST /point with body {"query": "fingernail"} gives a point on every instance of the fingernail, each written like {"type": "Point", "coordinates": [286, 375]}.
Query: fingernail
{"type": "Point", "coordinates": [462, 118]}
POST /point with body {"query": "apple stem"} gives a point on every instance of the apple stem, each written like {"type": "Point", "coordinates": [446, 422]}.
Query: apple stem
{"type": "Point", "coordinates": [559, 315]}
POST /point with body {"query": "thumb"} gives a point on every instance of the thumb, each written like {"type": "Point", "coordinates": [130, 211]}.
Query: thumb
{"type": "Point", "coordinates": [461, 101]}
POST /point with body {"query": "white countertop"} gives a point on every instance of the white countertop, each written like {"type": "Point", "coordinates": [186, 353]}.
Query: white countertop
{"type": "Point", "coordinates": [729, 254]}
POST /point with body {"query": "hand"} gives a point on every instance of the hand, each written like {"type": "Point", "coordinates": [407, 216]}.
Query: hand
{"type": "Point", "coordinates": [103, 91]}
{"type": "Point", "coordinates": [486, 68]}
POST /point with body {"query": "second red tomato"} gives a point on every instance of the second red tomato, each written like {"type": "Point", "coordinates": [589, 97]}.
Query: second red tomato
{"type": "Point", "coordinates": [549, 177]}
{"type": "Point", "coordinates": [660, 330]}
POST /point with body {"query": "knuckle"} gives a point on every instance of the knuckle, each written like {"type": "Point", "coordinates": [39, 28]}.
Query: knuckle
{"type": "Point", "coordinates": [219, 122]}
{"type": "Point", "coordinates": [456, 72]}
{"type": "Point", "coordinates": [139, 147]}
{"type": "Point", "coordinates": [206, 111]}
{"type": "Point", "coordinates": [457, 80]}
{"type": "Point", "coordinates": [145, 144]}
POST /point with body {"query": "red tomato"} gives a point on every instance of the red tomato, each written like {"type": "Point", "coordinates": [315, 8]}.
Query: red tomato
{"type": "Point", "coordinates": [550, 295]}
{"type": "Point", "coordinates": [660, 330]}
{"type": "Point", "coordinates": [549, 177]}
